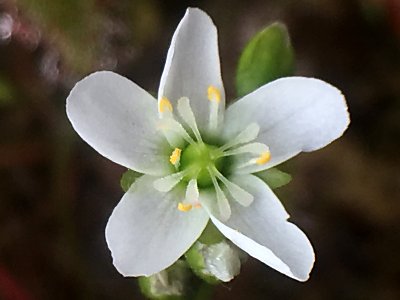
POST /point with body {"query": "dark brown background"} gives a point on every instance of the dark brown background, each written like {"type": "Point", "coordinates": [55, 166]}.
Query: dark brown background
{"type": "Point", "coordinates": [56, 193]}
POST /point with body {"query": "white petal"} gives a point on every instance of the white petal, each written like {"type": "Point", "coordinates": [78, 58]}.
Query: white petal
{"type": "Point", "coordinates": [117, 118]}
{"type": "Point", "coordinates": [294, 114]}
{"type": "Point", "coordinates": [263, 232]}
{"type": "Point", "coordinates": [192, 65]}
{"type": "Point", "coordinates": [146, 233]}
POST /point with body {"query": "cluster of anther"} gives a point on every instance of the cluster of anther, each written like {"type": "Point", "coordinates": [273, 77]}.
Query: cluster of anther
{"type": "Point", "coordinates": [199, 164]}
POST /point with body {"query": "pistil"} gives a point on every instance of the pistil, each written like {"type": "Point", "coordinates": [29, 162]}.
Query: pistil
{"type": "Point", "coordinates": [197, 158]}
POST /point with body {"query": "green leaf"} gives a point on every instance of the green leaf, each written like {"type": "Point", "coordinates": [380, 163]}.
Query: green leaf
{"type": "Point", "coordinates": [268, 56]}
{"type": "Point", "coordinates": [128, 178]}
{"type": "Point", "coordinates": [274, 178]}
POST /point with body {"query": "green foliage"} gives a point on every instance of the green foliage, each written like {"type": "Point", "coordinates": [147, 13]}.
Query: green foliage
{"type": "Point", "coordinates": [274, 177]}
{"type": "Point", "coordinates": [268, 56]}
{"type": "Point", "coordinates": [128, 178]}
{"type": "Point", "coordinates": [74, 26]}
{"type": "Point", "coordinates": [6, 92]}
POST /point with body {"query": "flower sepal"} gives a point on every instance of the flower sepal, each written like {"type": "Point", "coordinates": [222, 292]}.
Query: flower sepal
{"type": "Point", "coordinates": [128, 178]}
{"type": "Point", "coordinates": [274, 177]}
{"type": "Point", "coordinates": [211, 235]}
{"type": "Point", "coordinates": [168, 284]}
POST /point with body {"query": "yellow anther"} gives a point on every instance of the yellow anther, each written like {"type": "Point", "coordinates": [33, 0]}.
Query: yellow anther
{"type": "Point", "coordinates": [175, 156]}
{"type": "Point", "coordinates": [264, 158]}
{"type": "Point", "coordinates": [184, 207]}
{"type": "Point", "coordinates": [164, 104]}
{"type": "Point", "coordinates": [213, 94]}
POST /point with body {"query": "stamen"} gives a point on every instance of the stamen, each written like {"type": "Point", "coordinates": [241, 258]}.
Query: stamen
{"type": "Point", "coordinates": [175, 157]}
{"type": "Point", "coordinates": [171, 124]}
{"type": "Point", "coordinates": [261, 160]}
{"type": "Point", "coordinates": [246, 136]}
{"type": "Point", "coordinates": [165, 110]}
{"type": "Point", "coordinates": [264, 158]}
{"type": "Point", "coordinates": [223, 203]}
{"type": "Point", "coordinates": [255, 148]}
{"type": "Point", "coordinates": [191, 198]}
{"type": "Point", "coordinates": [167, 183]}
{"type": "Point", "coordinates": [240, 195]}
{"type": "Point", "coordinates": [187, 115]}
{"type": "Point", "coordinates": [164, 105]}
{"type": "Point", "coordinates": [184, 207]}
{"type": "Point", "coordinates": [213, 94]}
{"type": "Point", "coordinates": [192, 192]}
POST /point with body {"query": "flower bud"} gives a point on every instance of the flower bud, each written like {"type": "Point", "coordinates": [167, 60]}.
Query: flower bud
{"type": "Point", "coordinates": [216, 262]}
{"type": "Point", "coordinates": [169, 284]}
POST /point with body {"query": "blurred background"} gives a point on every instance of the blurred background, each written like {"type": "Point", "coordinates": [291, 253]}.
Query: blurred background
{"type": "Point", "coordinates": [56, 193]}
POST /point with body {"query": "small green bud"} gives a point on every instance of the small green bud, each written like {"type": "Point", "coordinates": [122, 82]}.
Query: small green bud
{"type": "Point", "coordinates": [274, 177]}
{"type": "Point", "coordinates": [168, 284]}
{"type": "Point", "coordinates": [268, 56]}
{"type": "Point", "coordinates": [216, 262]}
{"type": "Point", "coordinates": [128, 178]}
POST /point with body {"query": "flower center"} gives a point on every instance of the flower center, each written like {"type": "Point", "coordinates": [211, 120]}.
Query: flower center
{"type": "Point", "coordinates": [197, 159]}
{"type": "Point", "coordinates": [201, 165]}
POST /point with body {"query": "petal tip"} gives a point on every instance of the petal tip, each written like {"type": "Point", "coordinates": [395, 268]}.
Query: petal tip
{"type": "Point", "coordinates": [199, 15]}
{"type": "Point", "coordinates": [338, 108]}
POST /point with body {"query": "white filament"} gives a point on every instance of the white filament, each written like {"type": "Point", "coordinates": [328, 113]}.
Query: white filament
{"type": "Point", "coordinates": [213, 123]}
{"type": "Point", "coordinates": [175, 126]}
{"type": "Point", "coordinates": [246, 136]}
{"type": "Point", "coordinates": [192, 192]}
{"type": "Point", "coordinates": [240, 195]}
{"type": "Point", "coordinates": [223, 203]}
{"type": "Point", "coordinates": [254, 148]}
{"type": "Point", "coordinates": [187, 115]}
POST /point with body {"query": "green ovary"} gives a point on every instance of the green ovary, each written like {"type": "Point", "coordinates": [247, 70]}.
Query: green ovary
{"type": "Point", "coordinates": [196, 159]}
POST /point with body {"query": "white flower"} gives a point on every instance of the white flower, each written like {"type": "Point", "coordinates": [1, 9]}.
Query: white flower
{"type": "Point", "coordinates": [198, 157]}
